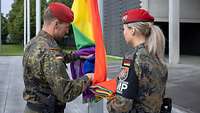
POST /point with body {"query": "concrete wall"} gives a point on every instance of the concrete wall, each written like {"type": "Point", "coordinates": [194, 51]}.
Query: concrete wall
{"type": "Point", "coordinates": [189, 10]}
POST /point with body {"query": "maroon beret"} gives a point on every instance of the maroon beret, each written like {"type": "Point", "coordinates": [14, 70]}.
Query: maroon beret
{"type": "Point", "coordinates": [137, 15]}
{"type": "Point", "coordinates": [61, 12]}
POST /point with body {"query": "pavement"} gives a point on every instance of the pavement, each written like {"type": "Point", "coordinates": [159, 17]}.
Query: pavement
{"type": "Point", "coordinates": [183, 86]}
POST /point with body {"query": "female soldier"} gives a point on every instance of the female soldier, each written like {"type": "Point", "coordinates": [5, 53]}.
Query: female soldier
{"type": "Point", "coordinates": [142, 80]}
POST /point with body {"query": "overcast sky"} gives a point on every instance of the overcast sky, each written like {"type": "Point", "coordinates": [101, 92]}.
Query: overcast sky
{"type": "Point", "coordinates": [6, 6]}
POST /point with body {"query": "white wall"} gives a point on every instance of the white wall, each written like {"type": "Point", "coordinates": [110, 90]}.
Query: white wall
{"type": "Point", "coordinates": [189, 10]}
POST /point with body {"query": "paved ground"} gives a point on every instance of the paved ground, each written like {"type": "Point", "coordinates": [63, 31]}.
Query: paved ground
{"type": "Point", "coordinates": [183, 86]}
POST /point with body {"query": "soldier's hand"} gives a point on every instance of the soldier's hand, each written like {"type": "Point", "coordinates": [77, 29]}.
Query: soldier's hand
{"type": "Point", "coordinates": [90, 76]}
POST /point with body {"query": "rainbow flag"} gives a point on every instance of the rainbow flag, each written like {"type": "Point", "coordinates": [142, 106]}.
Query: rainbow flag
{"type": "Point", "coordinates": [88, 32]}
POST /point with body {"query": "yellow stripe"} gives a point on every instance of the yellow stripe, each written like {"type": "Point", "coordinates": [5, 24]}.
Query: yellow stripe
{"type": "Point", "coordinates": [82, 18]}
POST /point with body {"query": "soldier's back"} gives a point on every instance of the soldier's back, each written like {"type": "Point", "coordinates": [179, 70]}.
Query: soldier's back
{"type": "Point", "coordinates": [152, 76]}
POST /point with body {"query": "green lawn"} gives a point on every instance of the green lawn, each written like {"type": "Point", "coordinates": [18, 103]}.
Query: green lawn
{"type": "Point", "coordinates": [11, 50]}
{"type": "Point", "coordinates": [17, 50]}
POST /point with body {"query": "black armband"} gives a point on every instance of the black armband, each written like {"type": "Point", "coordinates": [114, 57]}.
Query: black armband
{"type": "Point", "coordinates": [127, 84]}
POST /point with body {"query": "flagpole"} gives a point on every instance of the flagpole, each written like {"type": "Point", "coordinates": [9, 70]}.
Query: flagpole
{"type": "Point", "coordinates": [38, 16]}
{"type": "Point", "coordinates": [25, 23]}
{"type": "Point", "coordinates": [0, 25]}
{"type": "Point", "coordinates": [28, 21]}
{"type": "Point", "coordinates": [100, 2]}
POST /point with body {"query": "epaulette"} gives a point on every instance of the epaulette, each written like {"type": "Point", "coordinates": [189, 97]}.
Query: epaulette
{"type": "Point", "coordinates": [59, 58]}
{"type": "Point", "coordinates": [54, 49]}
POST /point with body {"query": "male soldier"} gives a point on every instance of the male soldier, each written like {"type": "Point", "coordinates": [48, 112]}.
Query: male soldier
{"type": "Point", "coordinates": [47, 85]}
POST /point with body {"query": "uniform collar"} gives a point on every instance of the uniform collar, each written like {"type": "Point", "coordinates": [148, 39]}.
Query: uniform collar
{"type": "Point", "coordinates": [130, 54]}
{"type": "Point", "coordinates": [138, 48]}
{"type": "Point", "coordinates": [142, 45]}
{"type": "Point", "coordinates": [47, 36]}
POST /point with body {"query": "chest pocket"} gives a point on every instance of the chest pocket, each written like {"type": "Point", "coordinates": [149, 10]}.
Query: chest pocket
{"type": "Point", "coordinates": [127, 84]}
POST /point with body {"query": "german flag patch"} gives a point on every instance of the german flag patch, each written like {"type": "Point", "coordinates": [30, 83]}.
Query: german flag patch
{"type": "Point", "coordinates": [126, 62]}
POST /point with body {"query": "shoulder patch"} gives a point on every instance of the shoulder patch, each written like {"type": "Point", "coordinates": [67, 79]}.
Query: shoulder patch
{"type": "Point", "coordinates": [123, 73]}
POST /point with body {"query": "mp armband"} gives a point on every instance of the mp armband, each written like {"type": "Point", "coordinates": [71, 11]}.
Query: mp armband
{"type": "Point", "coordinates": [127, 84]}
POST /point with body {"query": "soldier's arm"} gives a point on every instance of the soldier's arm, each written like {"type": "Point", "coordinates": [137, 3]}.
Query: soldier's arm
{"type": "Point", "coordinates": [119, 104]}
{"type": "Point", "coordinates": [55, 71]}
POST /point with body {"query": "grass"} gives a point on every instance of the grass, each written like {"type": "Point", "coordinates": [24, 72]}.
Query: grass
{"type": "Point", "coordinates": [11, 50]}
{"type": "Point", "coordinates": [17, 50]}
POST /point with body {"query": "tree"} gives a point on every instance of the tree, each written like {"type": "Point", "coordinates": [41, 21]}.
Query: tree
{"type": "Point", "coordinates": [67, 2]}
{"type": "Point", "coordinates": [15, 24]}
{"type": "Point", "coordinates": [16, 19]}
{"type": "Point", "coordinates": [4, 31]}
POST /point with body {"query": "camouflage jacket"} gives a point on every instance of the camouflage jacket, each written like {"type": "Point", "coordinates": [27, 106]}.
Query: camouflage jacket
{"type": "Point", "coordinates": [146, 91]}
{"type": "Point", "coordinates": [45, 72]}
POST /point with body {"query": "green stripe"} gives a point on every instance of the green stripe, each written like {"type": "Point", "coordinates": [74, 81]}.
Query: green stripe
{"type": "Point", "coordinates": [80, 39]}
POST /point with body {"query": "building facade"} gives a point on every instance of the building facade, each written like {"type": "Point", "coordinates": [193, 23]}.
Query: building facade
{"type": "Point", "coordinates": [179, 20]}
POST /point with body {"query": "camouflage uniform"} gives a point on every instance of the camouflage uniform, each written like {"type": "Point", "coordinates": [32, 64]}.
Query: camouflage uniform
{"type": "Point", "coordinates": [146, 91]}
{"type": "Point", "coordinates": [45, 74]}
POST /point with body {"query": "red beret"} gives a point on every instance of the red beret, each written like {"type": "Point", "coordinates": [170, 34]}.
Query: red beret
{"type": "Point", "coordinates": [61, 12]}
{"type": "Point", "coordinates": [137, 15]}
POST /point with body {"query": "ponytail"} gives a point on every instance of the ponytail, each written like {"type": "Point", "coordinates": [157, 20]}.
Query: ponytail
{"type": "Point", "coordinates": [155, 40]}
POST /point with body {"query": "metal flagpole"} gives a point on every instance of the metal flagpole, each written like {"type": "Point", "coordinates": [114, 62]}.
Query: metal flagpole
{"type": "Point", "coordinates": [0, 24]}
{"type": "Point", "coordinates": [38, 16]}
{"type": "Point", "coordinates": [25, 27]}
{"type": "Point", "coordinates": [28, 21]}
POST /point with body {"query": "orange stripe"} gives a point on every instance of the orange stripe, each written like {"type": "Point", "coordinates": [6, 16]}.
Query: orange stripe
{"type": "Point", "coordinates": [100, 60]}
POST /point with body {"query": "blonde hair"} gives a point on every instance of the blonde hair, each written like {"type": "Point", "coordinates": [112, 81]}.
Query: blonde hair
{"type": "Point", "coordinates": [154, 38]}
